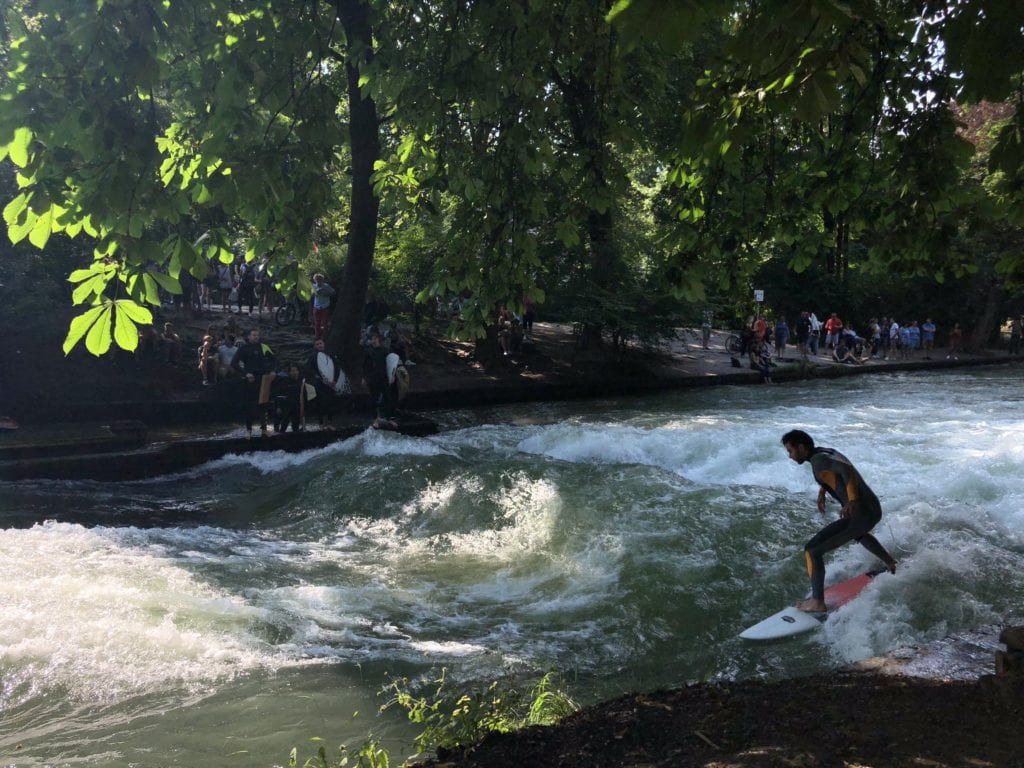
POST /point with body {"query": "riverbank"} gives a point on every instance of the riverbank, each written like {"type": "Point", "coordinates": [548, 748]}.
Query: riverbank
{"type": "Point", "coordinates": [166, 421]}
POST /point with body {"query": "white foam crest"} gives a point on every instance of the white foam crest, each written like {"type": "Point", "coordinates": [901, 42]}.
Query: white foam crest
{"type": "Point", "coordinates": [103, 621]}
{"type": "Point", "coordinates": [271, 462]}
{"type": "Point", "coordinates": [383, 443]}
{"type": "Point", "coordinates": [372, 442]}
{"type": "Point", "coordinates": [701, 450]}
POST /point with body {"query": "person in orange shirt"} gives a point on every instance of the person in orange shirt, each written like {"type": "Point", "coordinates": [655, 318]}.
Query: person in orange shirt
{"type": "Point", "coordinates": [837, 477]}
{"type": "Point", "coordinates": [833, 327]}
{"type": "Point", "coordinates": [760, 329]}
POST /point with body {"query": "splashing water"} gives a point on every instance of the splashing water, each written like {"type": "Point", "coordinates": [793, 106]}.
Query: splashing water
{"type": "Point", "coordinates": [261, 599]}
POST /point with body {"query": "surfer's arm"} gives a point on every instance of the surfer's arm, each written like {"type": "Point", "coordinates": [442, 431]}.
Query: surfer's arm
{"type": "Point", "coordinates": [821, 499]}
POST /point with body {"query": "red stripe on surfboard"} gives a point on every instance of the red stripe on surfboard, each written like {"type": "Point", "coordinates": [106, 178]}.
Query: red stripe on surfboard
{"type": "Point", "coordinates": [843, 592]}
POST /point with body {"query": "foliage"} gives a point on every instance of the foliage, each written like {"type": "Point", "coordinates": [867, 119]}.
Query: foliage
{"type": "Point", "coordinates": [453, 720]}
{"type": "Point", "coordinates": [818, 123]}
{"type": "Point", "coordinates": [135, 123]}
{"type": "Point", "coordinates": [369, 755]}
{"type": "Point", "coordinates": [540, 150]}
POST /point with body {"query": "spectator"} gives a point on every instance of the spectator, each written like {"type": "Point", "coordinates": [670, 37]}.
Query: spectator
{"type": "Point", "coordinates": [170, 341]}
{"type": "Point", "coordinates": [705, 329]}
{"type": "Point", "coordinates": [207, 287]}
{"type": "Point", "coordinates": [803, 333]}
{"type": "Point", "coordinates": [875, 330]}
{"type": "Point", "coordinates": [255, 360]}
{"type": "Point", "coordinates": [322, 293]}
{"type": "Point", "coordinates": [833, 327]}
{"type": "Point", "coordinates": [226, 352]}
{"type": "Point", "coordinates": [815, 338]}
{"type": "Point", "coordinates": [883, 337]}
{"type": "Point", "coordinates": [375, 374]}
{"type": "Point", "coordinates": [226, 284]}
{"type": "Point", "coordinates": [246, 286]}
{"type": "Point", "coordinates": [781, 336]}
{"type": "Point", "coordinates": [928, 337]}
{"type": "Point", "coordinates": [288, 394]}
{"type": "Point", "coordinates": [505, 331]}
{"type": "Point", "coordinates": [956, 342]}
{"type": "Point", "coordinates": [915, 337]}
{"type": "Point", "coordinates": [760, 329]}
{"type": "Point", "coordinates": [905, 343]}
{"type": "Point", "coordinates": [761, 359]}
{"type": "Point", "coordinates": [895, 339]}
{"type": "Point", "coordinates": [530, 313]}
{"type": "Point", "coordinates": [329, 380]}
{"type": "Point", "coordinates": [1015, 335]}
{"type": "Point", "coordinates": [208, 361]}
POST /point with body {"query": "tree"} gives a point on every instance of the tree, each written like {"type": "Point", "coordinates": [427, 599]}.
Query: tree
{"type": "Point", "coordinates": [818, 123]}
{"type": "Point", "coordinates": [141, 125]}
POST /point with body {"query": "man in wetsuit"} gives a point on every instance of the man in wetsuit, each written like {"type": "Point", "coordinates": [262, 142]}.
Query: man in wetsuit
{"type": "Point", "coordinates": [860, 513]}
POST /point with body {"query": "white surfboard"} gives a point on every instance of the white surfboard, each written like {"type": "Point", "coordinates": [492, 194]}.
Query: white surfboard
{"type": "Point", "coordinates": [790, 621]}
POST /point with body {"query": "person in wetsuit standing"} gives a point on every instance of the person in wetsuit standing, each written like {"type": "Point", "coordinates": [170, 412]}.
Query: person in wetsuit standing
{"type": "Point", "coordinates": [861, 511]}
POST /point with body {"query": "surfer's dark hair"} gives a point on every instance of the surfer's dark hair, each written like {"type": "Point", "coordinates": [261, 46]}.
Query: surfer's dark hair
{"type": "Point", "coordinates": [798, 437]}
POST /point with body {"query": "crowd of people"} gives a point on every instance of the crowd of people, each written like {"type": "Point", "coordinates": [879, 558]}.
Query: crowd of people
{"type": "Point", "coordinates": [286, 394]}
{"type": "Point", "coordinates": [230, 286]}
{"type": "Point", "coordinates": [884, 338]}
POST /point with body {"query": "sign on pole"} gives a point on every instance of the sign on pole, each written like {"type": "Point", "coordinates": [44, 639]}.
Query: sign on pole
{"type": "Point", "coordinates": [758, 296]}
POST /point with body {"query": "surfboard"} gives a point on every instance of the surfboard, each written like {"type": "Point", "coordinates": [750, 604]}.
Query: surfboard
{"type": "Point", "coordinates": [790, 622]}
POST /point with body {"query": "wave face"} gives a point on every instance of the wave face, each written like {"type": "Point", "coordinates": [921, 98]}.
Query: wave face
{"type": "Point", "coordinates": [261, 600]}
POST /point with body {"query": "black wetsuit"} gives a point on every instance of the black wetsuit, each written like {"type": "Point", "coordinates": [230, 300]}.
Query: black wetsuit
{"type": "Point", "coordinates": [256, 359]}
{"type": "Point", "coordinates": [843, 482]}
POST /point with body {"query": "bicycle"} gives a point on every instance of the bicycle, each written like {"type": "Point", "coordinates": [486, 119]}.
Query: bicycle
{"type": "Point", "coordinates": [288, 312]}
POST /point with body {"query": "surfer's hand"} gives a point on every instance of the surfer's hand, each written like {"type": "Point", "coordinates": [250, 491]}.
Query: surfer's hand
{"type": "Point", "coordinates": [845, 511]}
{"type": "Point", "coordinates": [821, 503]}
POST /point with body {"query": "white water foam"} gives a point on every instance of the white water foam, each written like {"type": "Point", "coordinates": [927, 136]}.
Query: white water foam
{"type": "Point", "coordinates": [101, 619]}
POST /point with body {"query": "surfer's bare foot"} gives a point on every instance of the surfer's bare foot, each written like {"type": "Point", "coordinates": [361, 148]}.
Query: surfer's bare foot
{"type": "Point", "coordinates": [810, 605]}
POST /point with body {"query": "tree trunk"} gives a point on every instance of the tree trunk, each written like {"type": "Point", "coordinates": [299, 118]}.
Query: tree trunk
{"type": "Point", "coordinates": [362, 230]}
{"type": "Point", "coordinates": [986, 322]}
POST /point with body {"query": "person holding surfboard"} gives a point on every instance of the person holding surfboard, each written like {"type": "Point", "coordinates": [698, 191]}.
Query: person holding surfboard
{"type": "Point", "coordinates": [837, 477]}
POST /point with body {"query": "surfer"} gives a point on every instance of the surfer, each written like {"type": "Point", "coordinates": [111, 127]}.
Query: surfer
{"type": "Point", "coordinates": [861, 511]}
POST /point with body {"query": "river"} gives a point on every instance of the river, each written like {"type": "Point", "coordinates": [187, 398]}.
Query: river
{"type": "Point", "coordinates": [222, 616]}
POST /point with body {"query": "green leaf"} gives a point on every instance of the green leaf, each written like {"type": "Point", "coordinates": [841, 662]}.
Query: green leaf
{"type": "Point", "coordinates": [136, 312]}
{"type": "Point", "coordinates": [150, 289]}
{"type": "Point", "coordinates": [41, 231]}
{"type": "Point", "coordinates": [79, 326]}
{"type": "Point", "coordinates": [169, 284]}
{"type": "Point", "coordinates": [126, 334]}
{"type": "Point", "coordinates": [17, 232]}
{"type": "Point", "coordinates": [14, 208]}
{"type": "Point", "coordinates": [88, 289]}
{"type": "Point", "coordinates": [19, 146]}
{"type": "Point", "coordinates": [99, 337]}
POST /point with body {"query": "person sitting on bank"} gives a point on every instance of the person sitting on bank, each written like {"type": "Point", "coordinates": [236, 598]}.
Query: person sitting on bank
{"type": "Point", "coordinates": [226, 351]}
{"type": "Point", "coordinates": [330, 381]}
{"type": "Point", "coordinates": [256, 362]}
{"type": "Point", "coordinates": [170, 341]}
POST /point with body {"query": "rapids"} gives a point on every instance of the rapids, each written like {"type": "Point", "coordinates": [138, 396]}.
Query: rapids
{"type": "Point", "coordinates": [221, 616]}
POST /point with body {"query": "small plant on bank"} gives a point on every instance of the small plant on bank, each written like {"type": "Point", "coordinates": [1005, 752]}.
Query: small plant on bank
{"type": "Point", "coordinates": [369, 755]}
{"type": "Point", "coordinates": [453, 720]}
